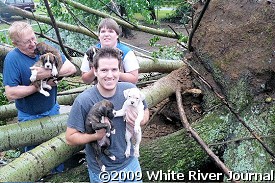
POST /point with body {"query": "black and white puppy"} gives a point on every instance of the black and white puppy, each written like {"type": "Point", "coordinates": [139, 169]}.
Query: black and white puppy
{"type": "Point", "coordinates": [134, 98]}
{"type": "Point", "coordinates": [47, 61]}
{"type": "Point", "coordinates": [95, 121]}
{"type": "Point", "coordinates": [91, 52]}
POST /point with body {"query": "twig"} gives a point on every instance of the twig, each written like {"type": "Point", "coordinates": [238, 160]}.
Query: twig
{"type": "Point", "coordinates": [173, 30]}
{"type": "Point", "coordinates": [56, 42]}
{"type": "Point", "coordinates": [56, 30]}
{"type": "Point", "coordinates": [197, 23]}
{"type": "Point", "coordinates": [194, 134]}
{"type": "Point", "coordinates": [77, 19]}
{"type": "Point", "coordinates": [117, 14]}
{"type": "Point", "coordinates": [239, 139]}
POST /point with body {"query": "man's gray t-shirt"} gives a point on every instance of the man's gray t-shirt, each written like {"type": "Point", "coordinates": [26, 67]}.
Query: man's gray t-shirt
{"type": "Point", "coordinates": [77, 117]}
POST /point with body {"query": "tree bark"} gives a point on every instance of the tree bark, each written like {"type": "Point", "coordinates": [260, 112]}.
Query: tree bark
{"type": "Point", "coordinates": [10, 111]}
{"type": "Point", "coordinates": [32, 165]}
{"type": "Point", "coordinates": [26, 133]}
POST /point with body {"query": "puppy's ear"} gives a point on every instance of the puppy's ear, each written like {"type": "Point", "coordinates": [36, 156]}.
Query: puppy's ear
{"type": "Point", "coordinates": [120, 52]}
{"type": "Point", "coordinates": [91, 54]}
{"type": "Point", "coordinates": [126, 92]}
{"type": "Point", "coordinates": [56, 61]}
{"type": "Point", "coordinates": [103, 110]}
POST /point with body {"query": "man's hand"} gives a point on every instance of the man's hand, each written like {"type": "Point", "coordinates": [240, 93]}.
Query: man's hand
{"type": "Point", "coordinates": [102, 132]}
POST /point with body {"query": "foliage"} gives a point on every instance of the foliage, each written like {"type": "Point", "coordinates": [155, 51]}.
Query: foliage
{"type": "Point", "coordinates": [165, 52]}
{"type": "Point", "coordinates": [12, 154]}
{"type": "Point", "coordinates": [74, 40]}
{"type": "Point", "coordinates": [181, 15]}
{"type": "Point", "coordinates": [3, 98]}
{"type": "Point", "coordinates": [64, 85]}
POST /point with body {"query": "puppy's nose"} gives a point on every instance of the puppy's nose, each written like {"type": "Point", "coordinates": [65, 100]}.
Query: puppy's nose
{"type": "Point", "coordinates": [132, 102]}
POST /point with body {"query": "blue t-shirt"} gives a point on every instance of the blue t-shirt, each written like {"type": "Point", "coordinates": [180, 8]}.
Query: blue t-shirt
{"type": "Point", "coordinates": [77, 118]}
{"type": "Point", "coordinates": [17, 72]}
{"type": "Point", "coordinates": [125, 49]}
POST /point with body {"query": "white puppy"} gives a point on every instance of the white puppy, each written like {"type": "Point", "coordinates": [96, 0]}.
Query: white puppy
{"type": "Point", "coordinates": [134, 98]}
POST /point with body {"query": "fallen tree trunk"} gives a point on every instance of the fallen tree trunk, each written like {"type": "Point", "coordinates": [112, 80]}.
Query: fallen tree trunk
{"type": "Point", "coordinates": [147, 64]}
{"type": "Point", "coordinates": [32, 165]}
{"type": "Point", "coordinates": [10, 111]}
{"type": "Point", "coordinates": [25, 134]}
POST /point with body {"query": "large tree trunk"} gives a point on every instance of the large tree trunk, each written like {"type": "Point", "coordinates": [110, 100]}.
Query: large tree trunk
{"type": "Point", "coordinates": [10, 111]}
{"type": "Point", "coordinates": [235, 49]}
{"type": "Point", "coordinates": [25, 134]}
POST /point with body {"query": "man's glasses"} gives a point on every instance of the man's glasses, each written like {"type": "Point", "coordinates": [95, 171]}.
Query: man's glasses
{"type": "Point", "coordinates": [33, 39]}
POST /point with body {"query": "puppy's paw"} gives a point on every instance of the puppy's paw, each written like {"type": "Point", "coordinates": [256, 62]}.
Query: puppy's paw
{"type": "Point", "coordinates": [47, 86]}
{"type": "Point", "coordinates": [44, 93]}
{"type": "Point", "coordinates": [108, 134]}
{"type": "Point", "coordinates": [112, 157]}
{"type": "Point", "coordinates": [54, 72]}
{"type": "Point", "coordinates": [33, 78]}
{"type": "Point", "coordinates": [137, 129]}
{"type": "Point", "coordinates": [136, 153]}
{"type": "Point", "coordinates": [127, 153]}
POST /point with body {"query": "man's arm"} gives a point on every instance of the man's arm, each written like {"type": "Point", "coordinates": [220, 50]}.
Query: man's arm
{"type": "Point", "coordinates": [67, 69]}
{"type": "Point", "coordinates": [146, 117]}
{"type": "Point", "coordinates": [129, 76]}
{"type": "Point", "coordinates": [17, 92]}
{"type": "Point", "coordinates": [88, 77]}
{"type": "Point", "coordinates": [74, 137]}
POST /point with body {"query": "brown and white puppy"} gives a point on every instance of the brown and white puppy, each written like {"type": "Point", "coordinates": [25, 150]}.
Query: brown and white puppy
{"type": "Point", "coordinates": [91, 54]}
{"type": "Point", "coordinates": [134, 98]}
{"type": "Point", "coordinates": [95, 121]}
{"type": "Point", "coordinates": [48, 61]}
{"type": "Point", "coordinates": [43, 48]}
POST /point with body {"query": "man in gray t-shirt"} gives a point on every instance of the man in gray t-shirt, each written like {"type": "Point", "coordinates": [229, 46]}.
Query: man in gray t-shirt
{"type": "Point", "coordinates": [106, 64]}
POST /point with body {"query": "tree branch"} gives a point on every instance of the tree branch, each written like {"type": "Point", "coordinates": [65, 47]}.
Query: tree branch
{"type": "Point", "coordinates": [56, 30]}
{"type": "Point", "coordinates": [190, 48]}
{"type": "Point", "coordinates": [194, 134]}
